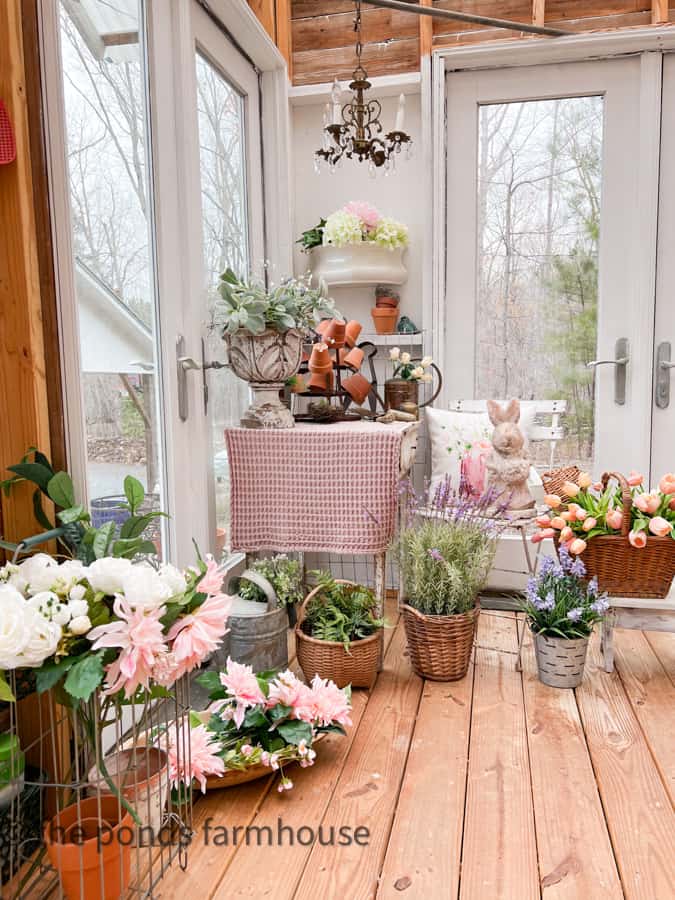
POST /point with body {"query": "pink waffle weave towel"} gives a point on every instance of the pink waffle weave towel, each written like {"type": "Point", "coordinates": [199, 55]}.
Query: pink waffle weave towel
{"type": "Point", "coordinates": [332, 488]}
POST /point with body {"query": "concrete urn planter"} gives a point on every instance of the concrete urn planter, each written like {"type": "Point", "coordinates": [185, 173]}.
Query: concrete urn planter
{"type": "Point", "coordinates": [266, 361]}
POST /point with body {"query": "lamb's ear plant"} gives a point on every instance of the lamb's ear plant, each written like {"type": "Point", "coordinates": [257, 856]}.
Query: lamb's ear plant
{"type": "Point", "coordinates": [80, 539]}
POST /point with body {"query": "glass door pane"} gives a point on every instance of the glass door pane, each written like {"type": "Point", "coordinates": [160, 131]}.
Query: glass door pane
{"type": "Point", "coordinates": [539, 200]}
{"type": "Point", "coordinates": [109, 169]}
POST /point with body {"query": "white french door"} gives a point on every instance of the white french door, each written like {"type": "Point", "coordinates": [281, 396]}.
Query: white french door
{"type": "Point", "coordinates": [154, 113]}
{"type": "Point", "coordinates": [552, 186]}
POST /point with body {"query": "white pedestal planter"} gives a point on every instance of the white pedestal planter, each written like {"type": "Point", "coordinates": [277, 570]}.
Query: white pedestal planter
{"type": "Point", "coordinates": [356, 264]}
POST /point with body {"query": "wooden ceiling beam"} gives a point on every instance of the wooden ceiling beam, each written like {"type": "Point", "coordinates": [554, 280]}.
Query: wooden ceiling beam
{"type": "Point", "coordinates": [659, 12]}
{"type": "Point", "coordinates": [426, 31]}
{"type": "Point", "coordinates": [539, 12]}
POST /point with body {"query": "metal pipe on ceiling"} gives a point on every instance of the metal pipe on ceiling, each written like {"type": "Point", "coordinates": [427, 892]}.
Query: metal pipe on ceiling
{"type": "Point", "coordinates": [467, 17]}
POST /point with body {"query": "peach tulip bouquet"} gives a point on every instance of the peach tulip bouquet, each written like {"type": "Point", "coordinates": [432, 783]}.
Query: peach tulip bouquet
{"type": "Point", "coordinates": [593, 509]}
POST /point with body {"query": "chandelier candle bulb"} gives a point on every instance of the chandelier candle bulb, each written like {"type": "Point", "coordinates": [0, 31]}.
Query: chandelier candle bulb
{"type": "Point", "coordinates": [400, 113]}
{"type": "Point", "coordinates": [337, 105]}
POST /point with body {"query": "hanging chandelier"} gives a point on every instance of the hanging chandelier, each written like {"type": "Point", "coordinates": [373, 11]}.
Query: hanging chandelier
{"type": "Point", "coordinates": [354, 130]}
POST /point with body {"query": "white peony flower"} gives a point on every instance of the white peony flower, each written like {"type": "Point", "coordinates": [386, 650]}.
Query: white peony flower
{"type": "Point", "coordinates": [77, 593]}
{"type": "Point", "coordinates": [106, 574]}
{"type": "Point", "coordinates": [58, 578]}
{"type": "Point", "coordinates": [33, 570]}
{"type": "Point", "coordinates": [44, 602]}
{"type": "Point", "coordinates": [427, 378]}
{"type": "Point", "coordinates": [142, 587]}
{"type": "Point", "coordinates": [174, 579]}
{"type": "Point", "coordinates": [417, 372]}
{"type": "Point", "coordinates": [44, 637]}
{"type": "Point", "coordinates": [426, 362]}
{"type": "Point", "coordinates": [405, 358]}
{"type": "Point", "coordinates": [78, 608]}
{"type": "Point", "coordinates": [80, 625]}
{"type": "Point", "coordinates": [394, 353]}
{"type": "Point", "coordinates": [14, 626]}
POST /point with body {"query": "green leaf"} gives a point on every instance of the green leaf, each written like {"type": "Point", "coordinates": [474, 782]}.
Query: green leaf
{"type": "Point", "coordinates": [254, 718]}
{"type": "Point", "coordinates": [74, 514]}
{"type": "Point", "coordinates": [133, 491]}
{"type": "Point", "coordinates": [6, 694]}
{"type": "Point", "coordinates": [210, 681]}
{"type": "Point", "coordinates": [38, 511]}
{"type": "Point", "coordinates": [331, 729]}
{"type": "Point", "coordinates": [279, 712]}
{"type": "Point", "coordinates": [34, 472]}
{"type": "Point", "coordinates": [295, 731]}
{"type": "Point", "coordinates": [130, 548]}
{"type": "Point", "coordinates": [60, 489]}
{"type": "Point", "coordinates": [102, 539]}
{"type": "Point", "coordinates": [136, 525]}
{"type": "Point", "coordinates": [85, 676]}
{"type": "Point", "coordinates": [47, 676]}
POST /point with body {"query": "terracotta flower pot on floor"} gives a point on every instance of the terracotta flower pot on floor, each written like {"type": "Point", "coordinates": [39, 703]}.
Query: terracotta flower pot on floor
{"type": "Point", "coordinates": [88, 844]}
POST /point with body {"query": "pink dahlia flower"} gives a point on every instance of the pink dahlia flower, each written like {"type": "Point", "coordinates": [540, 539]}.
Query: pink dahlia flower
{"type": "Point", "coordinates": [242, 684]}
{"type": "Point", "coordinates": [193, 756]}
{"type": "Point", "coordinates": [286, 689]}
{"type": "Point", "coordinates": [212, 581]}
{"type": "Point", "coordinates": [198, 634]}
{"type": "Point", "coordinates": [140, 635]}
{"type": "Point", "coordinates": [369, 216]}
{"type": "Point", "coordinates": [323, 703]}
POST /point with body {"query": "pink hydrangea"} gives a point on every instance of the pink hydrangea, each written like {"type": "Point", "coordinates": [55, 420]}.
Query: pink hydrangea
{"type": "Point", "coordinates": [140, 635]}
{"type": "Point", "coordinates": [323, 703]}
{"type": "Point", "coordinates": [369, 216]}
{"type": "Point", "coordinates": [193, 756]}
{"type": "Point", "coordinates": [198, 634]}
{"type": "Point", "coordinates": [242, 684]}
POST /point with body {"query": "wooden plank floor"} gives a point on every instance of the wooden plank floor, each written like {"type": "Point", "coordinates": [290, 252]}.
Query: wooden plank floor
{"type": "Point", "coordinates": [492, 787]}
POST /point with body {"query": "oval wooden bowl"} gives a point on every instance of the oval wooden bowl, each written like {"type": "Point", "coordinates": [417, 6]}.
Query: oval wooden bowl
{"type": "Point", "coordinates": [233, 777]}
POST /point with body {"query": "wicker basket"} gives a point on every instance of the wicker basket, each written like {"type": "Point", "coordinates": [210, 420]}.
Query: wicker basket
{"type": "Point", "coordinates": [626, 571]}
{"type": "Point", "coordinates": [554, 480]}
{"type": "Point", "coordinates": [329, 659]}
{"type": "Point", "coordinates": [440, 646]}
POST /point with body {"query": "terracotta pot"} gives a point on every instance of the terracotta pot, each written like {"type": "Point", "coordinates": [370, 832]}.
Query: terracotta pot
{"type": "Point", "coordinates": [143, 777]}
{"type": "Point", "coordinates": [320, 382]}
{"type": "Point", "coordinates": [386, 303]}
{"type": "Point", "coordinates": [334, 335]}
{"type": "Point", "coordinates": [357, 387]}
{"type": "Point", "coordinates": [99, 864]}
{"type": "Point", "coordinates": [352, 332]}
{"type": "Point", "coordinates": [298, 385]}
{"type": "Point", "coordinates": [220, 542]}
{"type": "Point", "coordinates": [384, 319]}
{"type": "Point", "coordinates": [323, 324]}
{"type": "Point", "coordinates": [320, 361]}
{"type": "Point", "coordinates": [354, 359]}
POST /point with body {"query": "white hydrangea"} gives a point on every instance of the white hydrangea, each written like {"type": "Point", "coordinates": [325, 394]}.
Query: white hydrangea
{"type": "Point", "coordinates": [58, 578]}
{"type": "Point", "coordinates": [342, 228]}
{"type": "Point", "coordinates": [106, 575]}
{"type": "Point", "coordinates": [391, 234]}
{"type": "Point", "coordinates": [174, 579]}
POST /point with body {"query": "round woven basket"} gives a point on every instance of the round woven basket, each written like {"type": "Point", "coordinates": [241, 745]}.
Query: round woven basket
{"type": "Point", "coordinates": [554, 480]}
{"type": "Point", "coordinates": [440, 646]}
{"type": "Point", "coordinates": [626, 571]}
{"type": "Point", "coordinates": [329, 659]}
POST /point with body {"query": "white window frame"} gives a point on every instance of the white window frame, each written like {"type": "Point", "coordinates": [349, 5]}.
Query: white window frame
{"type": "Point", "coordinates": [170, 56]}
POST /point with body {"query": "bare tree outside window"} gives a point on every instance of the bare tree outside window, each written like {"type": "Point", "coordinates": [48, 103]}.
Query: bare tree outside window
{"type": "Point", "coordinates": [539, 182]}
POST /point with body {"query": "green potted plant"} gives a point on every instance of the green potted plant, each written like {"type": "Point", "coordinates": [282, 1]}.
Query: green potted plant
{"type": "Point", "coordinates": [562, 608]}
{"type": "Point", "coordinates": [264, 329]}
{"type": "Point", "coordinates": [285, 576]}
{"type": "Point", "coordinates": [446, 550]}
{"type": "Point", "coordinates": [338, 633]}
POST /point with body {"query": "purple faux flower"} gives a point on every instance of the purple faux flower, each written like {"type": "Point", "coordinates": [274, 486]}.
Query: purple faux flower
{"type": "Point", "coordinates": [436, 555]}
{"type": "Point", "coordinates": [574, 615]}
{"type": "Point", "coordinates": [578, 568]}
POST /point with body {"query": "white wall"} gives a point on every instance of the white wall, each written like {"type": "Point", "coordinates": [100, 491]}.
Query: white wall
{"type": "Point", "coordinates": [399, 195]}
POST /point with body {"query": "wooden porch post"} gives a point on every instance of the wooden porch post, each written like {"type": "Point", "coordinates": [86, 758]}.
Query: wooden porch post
{"type": "Point", "coordinates": [24, 413]}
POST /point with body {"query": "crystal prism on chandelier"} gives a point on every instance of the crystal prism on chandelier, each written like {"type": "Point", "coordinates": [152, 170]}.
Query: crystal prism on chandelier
{"type": "Point", "coordinates": [354, 130]}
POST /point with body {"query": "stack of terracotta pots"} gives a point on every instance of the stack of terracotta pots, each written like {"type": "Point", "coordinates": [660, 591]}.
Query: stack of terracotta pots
{"type": "Point", "coordinates": [341, 338]}
{"type": "Point", "coordinates": [385, 311]}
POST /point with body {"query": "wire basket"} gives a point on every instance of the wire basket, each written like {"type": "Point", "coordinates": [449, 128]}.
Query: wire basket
{"type": "Point", "coordinates": [98, 816]}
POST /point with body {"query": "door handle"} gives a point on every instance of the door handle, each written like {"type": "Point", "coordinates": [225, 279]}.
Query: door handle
{"type": "Point", "coordinates": [620, 361]}
{"type": "Point", "coordinates": [185, 364]}
{"type": "Point", "coordinates": [662, 378]}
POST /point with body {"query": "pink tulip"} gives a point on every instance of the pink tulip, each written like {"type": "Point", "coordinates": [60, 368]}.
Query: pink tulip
{"type": "Point", "coordinates": [577, 546]}
{"type": "Point", "coordinates": [671, 505]}
{"type": "Point", "coordinates": [667, 483]}
{"type": "Point", "coordinates": [584, 480]}
{"type": "Point", "coordinates": [634, 478]}
{"type": "Point", "coordinates": [659, 526]}
{"type": "Point", "coordinates": [581, 514]}
{"type": "Point", "coordinates": [570, 488]}
{"type": "Point", "coordinates": [614, 518]}
{"type": "Point", "coordinates": [543, 521]}
{"type": "Point", "coordinates": [567, 516]}
{"type": "Point", "coordinates": [647, 503]}
{"type": "Point", "coordinates": [637, 539]}
{"type": "Point", "coordinates": [542, 535]}
{"type": "Point", "coordinates": [558, 523]}
{"type": "Point", "coordinates": [566, 534]}
{"type": "Point", "coordinates": [597, 486]}
{"type": "Point", "coordinates": [573, 509]}
{"type": "Point", "coordinates": [589, 523]}
{"type": "Point", "coordinates": [552, 500]}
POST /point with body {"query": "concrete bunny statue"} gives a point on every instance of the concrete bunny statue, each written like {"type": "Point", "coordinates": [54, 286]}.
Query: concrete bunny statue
{"type": "Point", "coordinates": [508, 464]}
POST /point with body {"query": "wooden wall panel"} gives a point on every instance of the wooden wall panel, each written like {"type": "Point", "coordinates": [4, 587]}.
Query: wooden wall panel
{"type": "Point", "coordinates": [23, 383]}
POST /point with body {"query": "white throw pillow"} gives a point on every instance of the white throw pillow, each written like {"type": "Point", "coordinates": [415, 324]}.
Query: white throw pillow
{"type": "Point", "coordinates": [452, 433]}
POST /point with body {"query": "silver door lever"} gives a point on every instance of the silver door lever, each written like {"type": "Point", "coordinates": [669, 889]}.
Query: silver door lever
{"type": "Point", "coordinates": [621, 360]}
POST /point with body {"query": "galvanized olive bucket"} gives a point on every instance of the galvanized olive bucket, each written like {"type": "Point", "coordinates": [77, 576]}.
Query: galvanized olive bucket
{"type": "Point", "coordinates": [260, 641]}
{"type": "Point", "coordinates": [560, 660]}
